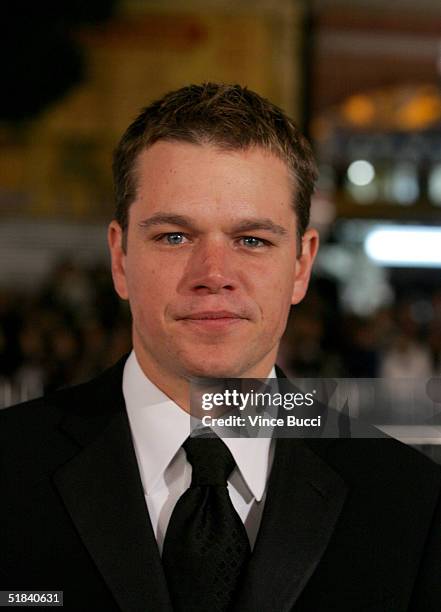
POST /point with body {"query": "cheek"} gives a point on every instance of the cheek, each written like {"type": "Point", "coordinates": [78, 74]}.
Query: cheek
{"type": "Point", "coordinates": [275, 304]}
{"type": "Point", "coordinates": [275, 287]}
{"type": "Point", "coordinates": [141, 271]}
{"type": "Point", "coordinates": [144, 288]}
{"type": "Point", "coordinates": [151, 291]}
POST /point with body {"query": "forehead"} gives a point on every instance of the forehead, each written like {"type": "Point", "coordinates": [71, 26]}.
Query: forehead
{"type": "Point", "coordinates": [205, 178]}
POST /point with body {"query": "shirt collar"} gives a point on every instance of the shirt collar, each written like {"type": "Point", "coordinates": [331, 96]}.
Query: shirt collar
{"type": "Point", "coordinates": [159, 428]}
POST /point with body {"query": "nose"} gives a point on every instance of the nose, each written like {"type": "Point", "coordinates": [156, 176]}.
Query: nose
{"type": "Point", "coordinates": [210, 269]}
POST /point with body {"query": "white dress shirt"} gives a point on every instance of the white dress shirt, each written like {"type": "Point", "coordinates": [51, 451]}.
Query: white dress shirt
{"type": "Point", "coordinates": [159, 427]}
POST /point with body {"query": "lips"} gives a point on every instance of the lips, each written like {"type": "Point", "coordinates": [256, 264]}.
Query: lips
{"type": "Point", "coordinates": [213, 321]}
{"type": "Point", "coordinates": [212, 315]}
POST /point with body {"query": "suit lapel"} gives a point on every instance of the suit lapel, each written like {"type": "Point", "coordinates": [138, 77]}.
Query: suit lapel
{"type": "Point", "coordinates": [303, 502]}
{"type": "Point", "coordinates": [103, 494]}
{"type": "Point", "coordinates": [102, 491]}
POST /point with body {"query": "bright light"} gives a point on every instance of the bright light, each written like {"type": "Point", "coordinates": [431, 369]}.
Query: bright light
{"type": "Point", "coordinates": [404, 183]}
{"type": "Point", "coordinates": [361, 172]}
{"type": "Point", "coordinates": [405, 246]}
{"type": "Point", "coordinates": [435, 183]}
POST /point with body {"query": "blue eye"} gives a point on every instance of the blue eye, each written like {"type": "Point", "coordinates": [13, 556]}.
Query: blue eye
{"type": "Point", "coordinates": [252, 242]}
{"type": "Point", "coordinates": [174, 238]}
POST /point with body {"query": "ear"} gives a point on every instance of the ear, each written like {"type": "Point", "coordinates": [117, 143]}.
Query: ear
{"type": "Point", "coordinates": [310, 244]}
{"type": "Point", "coordinates": [118, 259]}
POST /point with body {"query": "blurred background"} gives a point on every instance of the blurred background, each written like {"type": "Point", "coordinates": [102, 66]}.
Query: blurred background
{"type": "Point", "coordinates": [361, 77]}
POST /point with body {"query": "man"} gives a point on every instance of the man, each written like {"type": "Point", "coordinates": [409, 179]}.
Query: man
{"type": "Point", "coordinates": [210, 246]}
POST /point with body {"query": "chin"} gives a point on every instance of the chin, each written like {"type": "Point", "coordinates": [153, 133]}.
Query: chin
{"type": "Point", "coordinates": [213, 369]}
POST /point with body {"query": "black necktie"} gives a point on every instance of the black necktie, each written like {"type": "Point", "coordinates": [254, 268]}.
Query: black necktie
{"type": "Point", "coordinates": [206, 546]}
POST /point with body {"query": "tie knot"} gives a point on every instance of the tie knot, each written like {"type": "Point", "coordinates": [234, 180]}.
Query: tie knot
{"type": "Point", "coordinates": [211, 461]}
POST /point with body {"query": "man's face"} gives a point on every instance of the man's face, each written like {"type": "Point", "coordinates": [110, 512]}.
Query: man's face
{"type": "Point", "coordinates": [211, 265]}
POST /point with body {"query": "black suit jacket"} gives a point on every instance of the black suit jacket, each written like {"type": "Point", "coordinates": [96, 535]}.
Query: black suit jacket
{"type": "Point", "coordinates": [348, 525]}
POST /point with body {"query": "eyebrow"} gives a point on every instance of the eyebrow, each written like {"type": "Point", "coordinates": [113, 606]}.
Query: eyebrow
{"type": "Point", "coordinates": [245, 225]}
{"type": "Point", "coordinates": [166, 219]}
{"type": "Point", "coordinates": [260, 224]}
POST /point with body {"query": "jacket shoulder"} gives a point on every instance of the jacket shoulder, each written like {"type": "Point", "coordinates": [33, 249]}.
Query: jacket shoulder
{"type": "Point", "coordinates": [382, 464]}
{"type": "Point", "coordinates": [29, 421]}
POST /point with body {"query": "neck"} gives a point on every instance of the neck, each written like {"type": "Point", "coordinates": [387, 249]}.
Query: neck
{"type": "Point", "coordinates": [177, 386]}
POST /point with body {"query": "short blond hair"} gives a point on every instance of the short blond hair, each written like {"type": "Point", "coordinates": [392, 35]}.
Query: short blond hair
{"type": "Point", "coordinates": [230, 117]}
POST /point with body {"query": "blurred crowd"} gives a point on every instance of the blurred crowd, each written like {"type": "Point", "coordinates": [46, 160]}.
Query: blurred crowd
{"type": "Point", "coordinates": [76, 326]}
{"type": "Point", "coordinates": [402, 340]}
{"type": "Point", "coordinates": [66, 333]}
